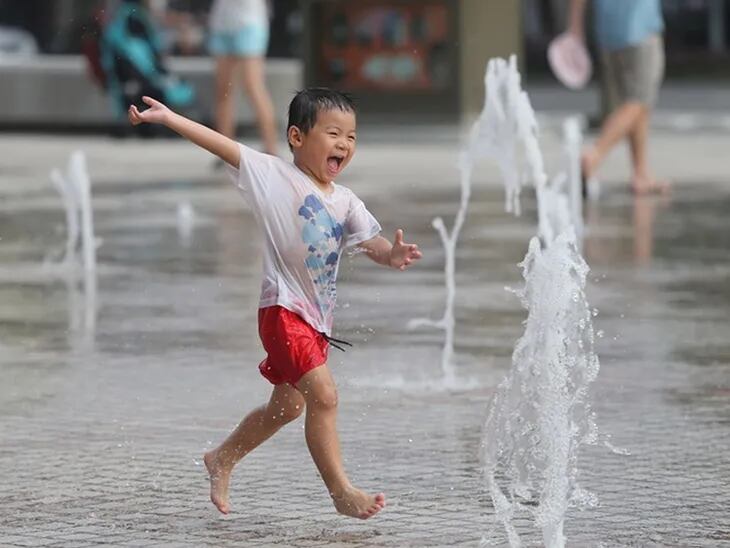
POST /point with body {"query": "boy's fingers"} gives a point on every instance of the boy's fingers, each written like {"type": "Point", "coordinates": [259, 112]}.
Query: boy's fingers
{"type": "Point", "coordinates": [151, 102]}
{"type": "Point", "coordinates": [399, 237]}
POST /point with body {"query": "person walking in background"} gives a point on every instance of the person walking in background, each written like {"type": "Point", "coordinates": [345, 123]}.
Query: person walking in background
{"type": "Point", "coordinates": [239, 38]}
{"type": "Point", "coordinates": [629, 36]}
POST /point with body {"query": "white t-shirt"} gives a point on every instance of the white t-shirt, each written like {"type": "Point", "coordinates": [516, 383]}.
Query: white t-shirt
{"type": "Point", "coordinates": [232, 15]}
{"type": "Point", "coordinates": [305, 233]}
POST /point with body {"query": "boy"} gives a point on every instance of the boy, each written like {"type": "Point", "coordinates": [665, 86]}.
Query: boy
{"type": "Point", "coordinates": [307, 221]}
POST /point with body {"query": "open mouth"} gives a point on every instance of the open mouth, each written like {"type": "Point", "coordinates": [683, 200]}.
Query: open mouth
{"type": "Point", "coordinates": [334, 163]}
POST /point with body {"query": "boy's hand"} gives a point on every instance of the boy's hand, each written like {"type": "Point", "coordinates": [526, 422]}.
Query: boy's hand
{"type": "Point", "coordinates": [403, 254]}
{"type": "Point", "coordinates": [156, 114]}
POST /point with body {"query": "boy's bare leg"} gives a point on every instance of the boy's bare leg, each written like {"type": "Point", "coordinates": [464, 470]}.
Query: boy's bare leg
{"type": "Point", "coordinates": [617, 126]}
{"type": "Point", "coordinates": [644, 181]}
{"type": "Point", "coordinates": [285, 405]}
{"type": "Point", "coordinates": [320, 393]}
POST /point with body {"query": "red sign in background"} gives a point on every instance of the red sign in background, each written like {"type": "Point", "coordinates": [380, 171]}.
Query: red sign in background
{"type": "Point", "coordinates": [380, 45]}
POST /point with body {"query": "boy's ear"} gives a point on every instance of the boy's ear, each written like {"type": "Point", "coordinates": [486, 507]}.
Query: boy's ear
{"type": "Point", "coordinates": [294, 136]}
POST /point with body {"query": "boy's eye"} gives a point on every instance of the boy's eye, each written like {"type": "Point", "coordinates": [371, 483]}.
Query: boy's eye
{"type": "Point", "coordinates": [333, 133]}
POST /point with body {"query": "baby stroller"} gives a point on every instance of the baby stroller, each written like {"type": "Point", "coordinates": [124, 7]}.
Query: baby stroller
{"type": "Point", "coordinates": [131, 59]}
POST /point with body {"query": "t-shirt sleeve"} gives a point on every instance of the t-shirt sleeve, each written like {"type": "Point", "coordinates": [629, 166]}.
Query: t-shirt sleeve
{"type": "Point", "coordinates": [360, 225]}
{"type": "Point", "coordinates": [252, 174]}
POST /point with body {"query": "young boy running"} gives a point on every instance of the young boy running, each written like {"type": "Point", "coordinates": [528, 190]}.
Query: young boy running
{"type": "Point", "coordinates": [307, 221]}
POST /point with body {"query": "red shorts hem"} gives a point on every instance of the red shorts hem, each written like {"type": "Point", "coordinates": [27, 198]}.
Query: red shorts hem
{"type": "Point", "coordinates": [293, 347]}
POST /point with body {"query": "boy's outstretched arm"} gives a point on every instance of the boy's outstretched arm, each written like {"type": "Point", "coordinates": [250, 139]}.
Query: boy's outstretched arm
{"type": "Point", "coordinates": [226, 149]}
{"type": "Point", "coordinates": [398, 255]}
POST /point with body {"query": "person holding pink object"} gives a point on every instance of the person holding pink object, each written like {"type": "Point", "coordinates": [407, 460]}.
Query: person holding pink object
{"type": "Point", "coordinates": [629, 36]}
{"type": "Point", "coordinates": [570, 61]}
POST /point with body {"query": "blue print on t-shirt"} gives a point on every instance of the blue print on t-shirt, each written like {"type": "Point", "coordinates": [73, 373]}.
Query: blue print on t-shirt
{"type": "Point", "coordinates": [322, 234]}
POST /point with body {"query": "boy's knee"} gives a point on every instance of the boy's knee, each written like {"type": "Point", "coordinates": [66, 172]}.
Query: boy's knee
{"type": "Point", "coordinates": [324, 399]}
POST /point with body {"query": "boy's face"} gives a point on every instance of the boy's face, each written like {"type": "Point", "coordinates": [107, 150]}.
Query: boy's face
{"type": "Point", "coordinates": [328, 147]}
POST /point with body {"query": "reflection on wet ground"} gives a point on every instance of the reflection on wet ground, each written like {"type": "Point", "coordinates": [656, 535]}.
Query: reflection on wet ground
{"type": "Point", "coordinates": [102, 432]}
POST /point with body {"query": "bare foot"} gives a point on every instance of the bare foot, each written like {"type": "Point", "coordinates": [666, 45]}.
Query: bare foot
{"type": "Point", "coordinates": [646, 184]}
{"type": "Point", "coordinates": [219, 478]}
{"type": "Point", "coordinates": [358, 504]}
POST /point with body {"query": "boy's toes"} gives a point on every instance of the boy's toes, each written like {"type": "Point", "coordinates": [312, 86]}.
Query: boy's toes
{"type": "Point", "coordinates": [223, 508]}
{"type": "Point", "coordinates": [375, 508]}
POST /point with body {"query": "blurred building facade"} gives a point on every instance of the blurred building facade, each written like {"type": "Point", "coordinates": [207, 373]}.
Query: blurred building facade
{"type": "Point", "coordinates": [426, 56]}
{"type": "Point", "coordinates": [697, 31]}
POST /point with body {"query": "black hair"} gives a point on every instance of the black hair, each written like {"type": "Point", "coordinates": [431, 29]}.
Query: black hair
{"type": "Point", "coordinates": [307, 103]}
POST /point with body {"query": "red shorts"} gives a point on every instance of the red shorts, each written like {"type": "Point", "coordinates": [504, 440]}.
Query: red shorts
{"type": "Point", "coordinates": [293, 346]}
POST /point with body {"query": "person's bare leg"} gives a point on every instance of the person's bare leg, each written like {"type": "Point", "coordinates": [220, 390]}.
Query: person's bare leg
{"type": "Point", "coordinates": [225, 105]}
{"type": "Point", "coordinates": [254, 84]}
{"type": "Point", "coordinates": [285, 405]}
{"type": "Point", "coordinates": [617, 126]}
{"type": "Point", "coordinates": [643, 181]}
{"type": "Point", "coordinates": [320, 393]}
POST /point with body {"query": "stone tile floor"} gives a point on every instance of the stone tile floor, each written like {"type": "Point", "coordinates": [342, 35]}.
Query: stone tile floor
{"type": "Point", "coordinates": [103, 430]}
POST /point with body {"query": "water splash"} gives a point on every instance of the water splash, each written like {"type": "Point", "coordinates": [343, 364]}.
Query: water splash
{"type": "Point", "coordinates": [505, 131]}
{"type": "Point", "coordinates": [447, 322]}
{"type": "Point", "coordinates": [540, 414]}
{"type": "Point", "coordinates": [75, 188]}
{"type": "Point", "coordinates": [186, 221]}
{"type": "Point", "coordinates": [572, 144]}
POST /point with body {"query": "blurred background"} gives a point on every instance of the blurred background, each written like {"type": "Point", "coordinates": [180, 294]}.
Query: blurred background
{"type": "Point", "coordinates": [426, 55]}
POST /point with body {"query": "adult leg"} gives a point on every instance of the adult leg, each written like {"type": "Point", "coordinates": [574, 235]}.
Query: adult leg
{"type": "Point", "coordinates": [320, 393]}
{"type": "Point", "coordinates": [285, 405]}
{"type": "Point", "coordinates": [649, 60]}
{"type": "Point", "coordinates": [254, 84]}
{"type": "Point", "coordinates": [619, 124]}
{"type": "Point", "coordinates": [643, 181]}
{"type": "Point", "coordinates": [225, 106]}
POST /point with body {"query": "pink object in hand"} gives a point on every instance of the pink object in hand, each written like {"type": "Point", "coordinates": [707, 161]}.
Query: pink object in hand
{"type": "Point", "coordinates": [569, 60]}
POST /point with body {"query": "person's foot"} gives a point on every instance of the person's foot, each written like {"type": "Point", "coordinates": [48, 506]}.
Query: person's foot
{"type": "Point", "coordinates": [220, 477]}
{"type": "Point", "coordinates": [646, 184]}
{"type": "Point", "coordinates": [358, 504]}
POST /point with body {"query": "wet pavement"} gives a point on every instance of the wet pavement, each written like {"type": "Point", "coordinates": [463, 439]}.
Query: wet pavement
{"type": "Point", "coordinates": [103, 424]}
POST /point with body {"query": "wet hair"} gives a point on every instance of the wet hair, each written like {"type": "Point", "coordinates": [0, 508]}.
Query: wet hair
{"type": "Point", "coordinates": [307, 104]}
